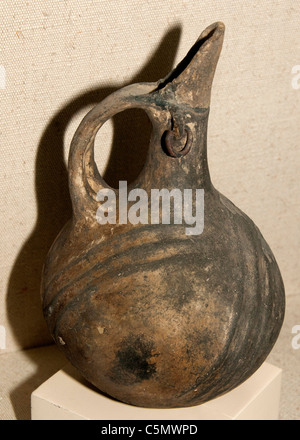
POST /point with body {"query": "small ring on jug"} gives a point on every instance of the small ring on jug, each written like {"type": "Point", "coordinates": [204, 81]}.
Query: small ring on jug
{"type": "Point", "coordinates": [170, 135]}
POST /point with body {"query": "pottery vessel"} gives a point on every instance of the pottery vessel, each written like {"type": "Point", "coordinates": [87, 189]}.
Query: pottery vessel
{"type": "Point", "coordinates": [156, 315]}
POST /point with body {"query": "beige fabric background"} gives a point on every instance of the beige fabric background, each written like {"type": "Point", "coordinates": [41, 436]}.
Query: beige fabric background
{"type": "Point", "coordinates": [59, 58]}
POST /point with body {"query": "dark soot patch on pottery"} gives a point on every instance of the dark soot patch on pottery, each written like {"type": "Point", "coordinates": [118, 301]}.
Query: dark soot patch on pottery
{"type": "Point", "coordinates": [132, 360]}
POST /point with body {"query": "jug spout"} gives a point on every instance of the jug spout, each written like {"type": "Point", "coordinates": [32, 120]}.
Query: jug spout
{"type": "Point", "coordinates": [191, 81]}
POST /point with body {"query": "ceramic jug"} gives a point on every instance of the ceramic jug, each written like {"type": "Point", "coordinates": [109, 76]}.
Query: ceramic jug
{"type": "Point", "coordinates": [158, 313]}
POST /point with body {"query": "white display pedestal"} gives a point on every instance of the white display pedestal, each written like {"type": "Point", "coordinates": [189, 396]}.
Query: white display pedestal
{"type": "Point", "coordinates": [66, 396]}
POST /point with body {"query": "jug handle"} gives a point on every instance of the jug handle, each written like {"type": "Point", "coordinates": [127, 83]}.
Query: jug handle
{"type": "Point", "coordinates": [84, 178]}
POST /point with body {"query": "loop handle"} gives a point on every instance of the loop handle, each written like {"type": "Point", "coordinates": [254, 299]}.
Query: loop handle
{"type": "Point", "coordinates": [84, 178]}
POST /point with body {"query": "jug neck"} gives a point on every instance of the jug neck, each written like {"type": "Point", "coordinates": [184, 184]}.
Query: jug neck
{"type": "Point", "coordinates": [178, 109]}
{"type": "Point", "coordinates": [190, 170]}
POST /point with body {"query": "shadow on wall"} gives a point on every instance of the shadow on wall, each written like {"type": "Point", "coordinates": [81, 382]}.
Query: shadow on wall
{"type": "Point", "coordinates": [129, 148]}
